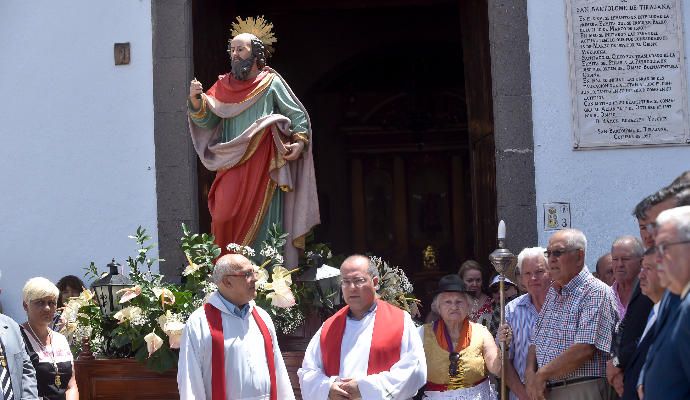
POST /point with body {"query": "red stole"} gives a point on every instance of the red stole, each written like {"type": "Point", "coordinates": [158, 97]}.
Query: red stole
{"type": "Point", "coordinates": [389, 324]}
{"type": "Point", "coordinates": [215, 324]}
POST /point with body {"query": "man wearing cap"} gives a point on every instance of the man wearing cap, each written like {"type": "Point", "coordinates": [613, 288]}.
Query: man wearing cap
{"type": "Point", "coordinates": [572, 336]}
{"type": "Point", "coordinates": [369, 349]}
{"type": "Point", "coordinates": [521, 314]}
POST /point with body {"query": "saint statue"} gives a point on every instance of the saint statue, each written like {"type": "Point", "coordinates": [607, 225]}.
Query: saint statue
{"type": "Point", "coordinates": [252, 130]}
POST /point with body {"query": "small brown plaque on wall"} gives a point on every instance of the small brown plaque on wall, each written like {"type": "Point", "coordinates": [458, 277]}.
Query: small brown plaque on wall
{"type": "Point", "coordinates": [121, 53]}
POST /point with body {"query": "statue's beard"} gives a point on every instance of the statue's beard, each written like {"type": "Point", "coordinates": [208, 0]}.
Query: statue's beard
{"type": "Point", "coordinates": [242, 68]}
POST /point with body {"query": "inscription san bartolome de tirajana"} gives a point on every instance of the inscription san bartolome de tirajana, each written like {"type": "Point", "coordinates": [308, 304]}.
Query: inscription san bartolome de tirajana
{"type": "Point", "coordinates": [627, 73]}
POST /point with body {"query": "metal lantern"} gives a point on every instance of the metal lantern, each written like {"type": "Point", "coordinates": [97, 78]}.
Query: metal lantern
{"type": "Point", "coordinates": [326, 279]}
{"type": "Point", "coordinates": [106, 289]}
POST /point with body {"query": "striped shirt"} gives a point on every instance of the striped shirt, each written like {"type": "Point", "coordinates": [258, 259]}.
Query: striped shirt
{"type": "Point", "coordinates": [583, 312]}
{"type": "Point", "coordinates": [521, 315]}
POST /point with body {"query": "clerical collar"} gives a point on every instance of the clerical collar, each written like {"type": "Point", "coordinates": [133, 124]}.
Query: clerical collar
{"type": "Point", "coordinates": [238, 311]}
{"type": "Point", "coordinates": [369, 311]}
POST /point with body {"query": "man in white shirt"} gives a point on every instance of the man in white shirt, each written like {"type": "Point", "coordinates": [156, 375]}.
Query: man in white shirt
{"type": "Point", "coordinates": [228, 348]}
{"type": "Point", "coordinates": [369, 349]}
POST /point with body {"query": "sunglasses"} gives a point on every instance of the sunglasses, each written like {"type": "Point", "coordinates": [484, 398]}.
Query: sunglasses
{"type": "Point", "coordinates": [558, 253]}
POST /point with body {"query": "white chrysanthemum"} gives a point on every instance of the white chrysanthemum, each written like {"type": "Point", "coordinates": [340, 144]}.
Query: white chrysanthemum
{"type": "Point", "coordinates": [235, 248]}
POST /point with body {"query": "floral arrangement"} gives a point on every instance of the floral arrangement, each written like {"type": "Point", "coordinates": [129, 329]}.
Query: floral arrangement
{"type": "Point", "coordinates": [153, 314]}
{"type": "Point", "coordinates": [150, 323]}
{"type": "Point", "coordinates": [151, 308]}
{"type": "Point", "coordinates": [395, 287]}
{"type": "Point", "coordinates": [276, 293]}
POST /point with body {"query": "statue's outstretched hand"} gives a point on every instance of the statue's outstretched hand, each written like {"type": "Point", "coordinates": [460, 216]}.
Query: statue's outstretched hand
{"type": "Point", "coordinates": [294, 150]}
{"type": "Point", "coordinates": [195, 89]}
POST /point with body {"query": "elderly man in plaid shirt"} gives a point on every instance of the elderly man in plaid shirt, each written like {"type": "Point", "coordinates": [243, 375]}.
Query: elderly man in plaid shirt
{"type": "Point", "coordinates": [572, 336]}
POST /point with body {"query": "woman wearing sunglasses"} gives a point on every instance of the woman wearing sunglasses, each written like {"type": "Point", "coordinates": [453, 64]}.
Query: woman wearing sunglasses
{"type": "Point", "coordinates": [460, 354]}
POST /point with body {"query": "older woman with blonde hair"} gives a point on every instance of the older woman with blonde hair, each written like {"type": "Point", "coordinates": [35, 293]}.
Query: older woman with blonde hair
{"type": "Point", "coordinates": [460, 353]}
{"type": "Point", "coordinates": [49, 351]}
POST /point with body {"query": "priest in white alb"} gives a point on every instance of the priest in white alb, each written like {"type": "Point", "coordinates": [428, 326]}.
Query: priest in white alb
{"type": "Point", "coordinates": [228, 348]}
{"type": "Point", "coordinates": [369, 349]}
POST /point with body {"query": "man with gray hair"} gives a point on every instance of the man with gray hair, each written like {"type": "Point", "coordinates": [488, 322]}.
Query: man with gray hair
{"type": "Point", "coordinates": [571, 339]}
{"type": "Point", "coordinates": [220, 349]}
{"type": "Point", "coordinates": [634, 307]}
{"type": "Point", "coordinates": [522, 313]}
{"type": "Point", "coordinates": [667, 368]}
{"type": "Point", "coordinates": [369, 349]}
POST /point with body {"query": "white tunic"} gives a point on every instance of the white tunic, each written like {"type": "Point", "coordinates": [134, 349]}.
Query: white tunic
{"type": "Point", "coordinates": [246, 369]}
{"type": "Point", "coordinates": [401, 382]}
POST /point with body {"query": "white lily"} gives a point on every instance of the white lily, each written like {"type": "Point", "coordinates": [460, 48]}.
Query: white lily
{"type": "Point", "coordinates": [153, 342]}
{"type": "Point", "coordinates": [174, 331]}
{"type": "Point", "coordinates": [165, 295]}
{"type": "Point", "coordinates": [129, 293]}
{"type": "Point", "coordinates": [191, 268]}
{"type": "Point", "coordinates": [127, 314]}
{"type": "Point", "coordinates": [282, 295]}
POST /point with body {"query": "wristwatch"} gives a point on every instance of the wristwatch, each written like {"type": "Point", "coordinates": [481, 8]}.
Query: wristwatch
{"type": "Point", "coordinates": [616, 363]}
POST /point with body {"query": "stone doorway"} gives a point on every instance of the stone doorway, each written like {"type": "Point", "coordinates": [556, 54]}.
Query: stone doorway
{"type": "Point", "coordinates": [399, 93]}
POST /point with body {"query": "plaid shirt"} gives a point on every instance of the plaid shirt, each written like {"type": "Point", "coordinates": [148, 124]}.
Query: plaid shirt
{"type": "Point", "coordinates": [521, 315]}
{"type": "Point", "coordinates": [584, 312]}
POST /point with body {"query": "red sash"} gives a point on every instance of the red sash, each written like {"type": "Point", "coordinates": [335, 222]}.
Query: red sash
{"type": "Point", "coordinates": [386, 339]}
{"type": "Point", "coordinates": [227, 89]}
{"type": "Point", "coordinates": [215, 324]}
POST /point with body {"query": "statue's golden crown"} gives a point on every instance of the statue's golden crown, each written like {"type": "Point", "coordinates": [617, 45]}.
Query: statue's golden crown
{"type": "Point", "coordinates": [258, 27]}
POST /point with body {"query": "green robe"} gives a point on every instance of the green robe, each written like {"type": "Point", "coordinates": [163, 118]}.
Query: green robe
{"type": "Point", "coordinates": [275, 100]}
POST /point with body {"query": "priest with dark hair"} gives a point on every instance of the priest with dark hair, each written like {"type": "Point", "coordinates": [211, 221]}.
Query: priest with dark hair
{"type": "Point", "coordinates": [369, 349]}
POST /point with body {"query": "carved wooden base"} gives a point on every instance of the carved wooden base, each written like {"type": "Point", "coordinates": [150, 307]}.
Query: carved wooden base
{"type": "Point", "coordinates": [127, 379]}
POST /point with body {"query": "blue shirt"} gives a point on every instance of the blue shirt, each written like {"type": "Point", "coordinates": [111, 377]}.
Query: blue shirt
{"type": "Point", "coordinates": [369, 311]}
{"type": "Point", "coordinates": [239, 311]}
{"type": "Point", "coordinates": [521, 315]}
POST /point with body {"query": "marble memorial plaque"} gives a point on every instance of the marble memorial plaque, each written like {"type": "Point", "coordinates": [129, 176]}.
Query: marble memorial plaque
{"type": "Point", "coordinates": [627, 72]}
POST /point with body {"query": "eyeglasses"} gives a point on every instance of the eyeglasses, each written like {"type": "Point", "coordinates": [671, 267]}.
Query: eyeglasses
{"type": "Point", "coordinates": [43, 303]}
{"type": "Point", "coordinates": [558, 253]}
{"type": "Point", "coordinates": [661, 248]}
{"type": "Point", "coordinates": [454, 367]}
{"type": "Point", "coordinates": [358, 282]}
{"type": "Point", "coordinates": [247, 275]}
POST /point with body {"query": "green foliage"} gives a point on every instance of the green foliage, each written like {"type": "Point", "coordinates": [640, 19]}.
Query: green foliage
{"type": "Point", "coordinates": [152, 308]}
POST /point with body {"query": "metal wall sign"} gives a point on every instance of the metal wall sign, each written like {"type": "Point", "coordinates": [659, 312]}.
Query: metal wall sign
{"type": "Point", "coordinates": [556, 216]}
{"type": "Point", "coordinates": [627, 73]}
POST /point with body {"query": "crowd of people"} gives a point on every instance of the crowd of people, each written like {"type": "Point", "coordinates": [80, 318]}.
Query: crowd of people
{"type": "Point", "coordinates": [568, 335]}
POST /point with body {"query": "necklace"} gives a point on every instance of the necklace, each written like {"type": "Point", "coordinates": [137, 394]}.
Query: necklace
{"type": "Point", "coordinates": [58, 381]}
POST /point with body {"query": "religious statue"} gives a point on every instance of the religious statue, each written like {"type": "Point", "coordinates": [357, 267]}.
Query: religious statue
{"type": "Point", "coordinates": [252, 130]}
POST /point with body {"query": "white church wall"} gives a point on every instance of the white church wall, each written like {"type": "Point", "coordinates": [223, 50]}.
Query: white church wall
{"type": "Point", "coordinates": [77, 158]}
{"type": "Point", "coordinates": [602, 186]}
